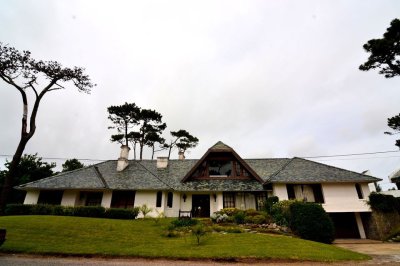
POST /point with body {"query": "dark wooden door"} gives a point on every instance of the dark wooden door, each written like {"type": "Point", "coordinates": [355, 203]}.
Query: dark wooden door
{"type": "Point", "coordinates": [201, 205]}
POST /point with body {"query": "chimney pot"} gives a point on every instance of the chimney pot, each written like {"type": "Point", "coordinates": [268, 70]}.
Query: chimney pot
{"type": "Point", "coordinates": [181, 155]}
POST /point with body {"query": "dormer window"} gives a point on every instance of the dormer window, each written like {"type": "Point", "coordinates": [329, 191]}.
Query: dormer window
{"type": "Point", "coordinates": [219, 168]}
{"type": "Point", "coordinates": [215, 168]}
{"type": "Point", "coordinates": [221, 162]}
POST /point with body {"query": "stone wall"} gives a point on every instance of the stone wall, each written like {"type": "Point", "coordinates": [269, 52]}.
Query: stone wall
{"type": "Point", "coordinates": [380, 224]}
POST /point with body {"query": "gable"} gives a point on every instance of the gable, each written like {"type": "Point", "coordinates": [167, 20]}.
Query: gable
{"type": "Point", "coordinates": [221, 162]}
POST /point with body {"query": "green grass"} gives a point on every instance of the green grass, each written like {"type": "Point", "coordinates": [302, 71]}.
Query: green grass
{"type": "Point", "coordinates": [144, 238]}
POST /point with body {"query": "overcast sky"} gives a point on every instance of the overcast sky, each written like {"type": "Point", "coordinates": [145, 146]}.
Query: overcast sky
{"type": "Point", "coordinates": [268, 78]}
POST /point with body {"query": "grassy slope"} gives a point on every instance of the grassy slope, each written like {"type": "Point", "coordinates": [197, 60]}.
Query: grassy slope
{"type": "Point", "coordinates": [75, 235]}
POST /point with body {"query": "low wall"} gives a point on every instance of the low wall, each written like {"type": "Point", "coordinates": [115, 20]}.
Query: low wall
{"type": "Point", "coordinates": [380, 224]}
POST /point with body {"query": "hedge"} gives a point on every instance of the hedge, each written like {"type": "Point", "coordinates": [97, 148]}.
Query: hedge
{"type": "Point", "coordinates": [81, 211]}
{"type": "Point", "coordinates": [384, 203]}
{"type": "Point", "coordinates": [311, 222]}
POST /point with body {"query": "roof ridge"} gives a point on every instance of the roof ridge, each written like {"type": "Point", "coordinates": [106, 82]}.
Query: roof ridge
{"type": "Point", "coordinates": [278, 171]}
{"type": "Point", "coordinates": [138, 162]}
{"type": "Point", "coordinates": [100, 176]}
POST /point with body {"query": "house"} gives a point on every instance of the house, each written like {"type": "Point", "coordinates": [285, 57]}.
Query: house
{"type": "Point", "coordinates": [219, 179]}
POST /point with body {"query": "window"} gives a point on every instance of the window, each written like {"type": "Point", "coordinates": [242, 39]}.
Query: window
{"type": "Point", "coordinates": [261, 198]}
{"type": "Point", "coordinates": [219, 168]}
{"type": "Point", "coordinates": [169, 199]}
{"type": "Point", "coordinates": [92, 198]}
{"type": "Point", "coordinates": [229, 200]}
{"type": "Point", "coordinates": [307, 193]}
{"type": "Point", "coordinates": [359, 191]}
{"type": "Point", "coordinates": [52, 197]}
{"type": "Point", "coordinates": [159, 199]}
{"type": "Point", "coordinates": [123, 199]}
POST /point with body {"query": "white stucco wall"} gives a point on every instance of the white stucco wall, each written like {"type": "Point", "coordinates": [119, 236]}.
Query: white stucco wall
{"type": "Point", "coordinates": [106, 200]}
{"type": "Point", "coordinates": [69, 198]}
{"type": "Point", "coordinates": [174, 210]}
{"type": "Point", "coordinates": [149, 198]}
{"type": "Point", "coordinates": [280, 191]}
{"type": "Point", "coordinates": [32, 197]}
{"type": "Point", "coordinates": [342, 197]}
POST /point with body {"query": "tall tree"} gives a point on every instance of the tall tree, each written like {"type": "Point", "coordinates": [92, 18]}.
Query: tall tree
{"type": "Point", "coordinates": [385, 55]}
{"type": "Point", "coordinates": [150, 125]}
{"type": "Point", "coordinates": [152, 139]}
{"type": "Point", "coordinates": [30, 168]}
{"type": "Point", "coordinates": [182, 140]}
{"type": "Point", "coordinates": [385, 52]}
{"type": "Point", "coordinates": [123, 117]}
{"type": "Point", "coordinates": [24, 74]}
{"type": "Point", "coordinates": [72, 164]}
{"type": "Point", "coordinates": [394, 123]}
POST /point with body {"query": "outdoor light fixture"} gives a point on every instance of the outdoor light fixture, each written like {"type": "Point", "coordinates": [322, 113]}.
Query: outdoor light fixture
{"type": "Point", "coordinates": [184, 197]}
{"type": "Point", "coordinates": [215, 197]}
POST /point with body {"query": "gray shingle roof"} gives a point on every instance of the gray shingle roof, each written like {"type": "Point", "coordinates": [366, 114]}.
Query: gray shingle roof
{"type": "Point", "coordinates": [144, 175]}
{"type": "Point", "coordinates": [299, 170]}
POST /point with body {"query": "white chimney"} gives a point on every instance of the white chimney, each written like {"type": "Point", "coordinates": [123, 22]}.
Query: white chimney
{"type": "Point", "coordinates": [123, 158]}
{"type": "Point", "coordinates": [162, 162]}
{"type": "Point", "coordinates": [181, 155]}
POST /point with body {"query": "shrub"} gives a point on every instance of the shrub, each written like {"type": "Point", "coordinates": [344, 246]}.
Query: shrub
{"type": "Point", "coordinates": [41, 209]}
{"type": "Point", "coordinates": [144, 210]}
{"type": "Point", "coordinates": [116, 213]}
{"type": "Point", "coordinates": [19, 209]}
{"type": "Point", "coordinates": [384, 203]}
{"type": "Point", "coordinates": [184, 222]}
{"type": "Point", "coordinates": [269, 203]}
{"type": "Point", "coordinates": [280, 212]}
{"type": "Point", "coordinates": [63, 211]}
{"type": "Point", "coordinates": [89, 211]}
{"type": "Point", "coordinates": [198, 231]}
{"type": "Point", "coordinates": [251, 212]}
{"type": "Point", "coordinates": [239, 217]}
{"type": "Point", "coordinates": [259, 219]}
{"type": "Point", "coordinates": [234, 230]}
{"type": "Point", "coordinates": [310, 221]}
{"type": "Point", "coordinates": [217, 217]}
{"type": "Point", "coordinates": [229, 211]}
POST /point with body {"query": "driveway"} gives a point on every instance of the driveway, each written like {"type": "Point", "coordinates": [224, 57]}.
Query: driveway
{"type": "Point", "coordinates": [381, 252]}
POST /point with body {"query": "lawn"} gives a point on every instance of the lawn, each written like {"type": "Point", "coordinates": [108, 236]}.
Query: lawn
{"type": "Point", "coordinates": [145, 238]}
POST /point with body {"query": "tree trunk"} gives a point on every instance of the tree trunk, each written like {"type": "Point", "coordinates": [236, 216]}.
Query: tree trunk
{"type": "Point", "coordinates": [141, 151]}
{"type": "Point", "coordinates": [9, 178]}
{"type": "Point", "coordinates": [152, 154]}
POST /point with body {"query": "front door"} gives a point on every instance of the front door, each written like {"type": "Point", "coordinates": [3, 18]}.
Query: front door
{"type": "Point", "coordinates": [201, 205]}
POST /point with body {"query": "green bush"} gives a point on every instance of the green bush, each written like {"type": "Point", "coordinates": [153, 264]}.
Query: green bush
{"type": "Point", "coordinates": [82, 211]}
{"type": "Point", "coordinates": [116, 213]}
{"type": "Point", "coordinates": [198, 231]}
{"type": "Point", "coordinates": [89, 211]}
{"type": "Point", "coordinates": [310, 221]}
{"type": "Point", "coordinates": [280, 212]}
{"type": "Point", "coordinates": [384, 203]}
{"type": "Point", "coordinates": [269, 203]}
{"type": "Point", "coordinates": [259, 219]}
{"type": "Point", "coordinates": [251, 212]}
{"type": "Point", "coordinates": [229, 211]}
{"type": "Point", "coordinates": [184, 222]}
{"type": "Point", "coordinates": [43, 209]}
{"type": "Point", "coordinates": [19, 209]}
{"type": "Point", "coordinates": [239, 217]}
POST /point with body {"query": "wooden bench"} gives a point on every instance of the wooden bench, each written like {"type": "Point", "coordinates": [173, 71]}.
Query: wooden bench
{"type": "Point", "coordinates": [185, 214]}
